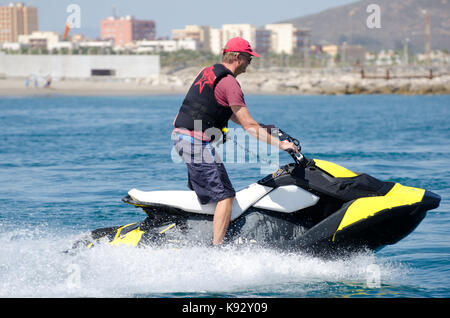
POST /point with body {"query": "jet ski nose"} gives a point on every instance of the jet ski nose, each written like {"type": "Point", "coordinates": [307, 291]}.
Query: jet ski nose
{"type": "Point", "coordinates": [431, 200]}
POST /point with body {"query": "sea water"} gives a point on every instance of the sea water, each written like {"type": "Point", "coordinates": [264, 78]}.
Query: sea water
{"type": "Point", "coordinates": [66, 162]}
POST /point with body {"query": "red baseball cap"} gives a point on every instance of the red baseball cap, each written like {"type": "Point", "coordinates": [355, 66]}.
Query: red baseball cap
{"type": "Point", "coordinates": [238, 44]}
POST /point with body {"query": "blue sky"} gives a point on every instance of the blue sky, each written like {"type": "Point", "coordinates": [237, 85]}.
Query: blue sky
{"type": "Point", "coordinates": [174, 14]}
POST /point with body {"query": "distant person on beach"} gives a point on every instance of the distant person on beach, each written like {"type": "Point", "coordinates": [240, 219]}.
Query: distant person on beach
{"type": "Point", "coordinates": [48, 82]}
{"type": "Point", "coordinates": [215, 97]}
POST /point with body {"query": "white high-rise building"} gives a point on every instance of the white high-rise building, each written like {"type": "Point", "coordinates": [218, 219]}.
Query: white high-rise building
{"type": "Point", "coordinates": [283, 38]}
{"type": "Point", "coordinates": [216, 41]}
{"type": "Point", "coordinates": [246, 31]}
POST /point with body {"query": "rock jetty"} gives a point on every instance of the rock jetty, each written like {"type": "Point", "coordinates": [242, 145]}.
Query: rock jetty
{"type": "Point", "coordinates": [273, 81]}
{"type": "Point", "coordinates": [319, 82]}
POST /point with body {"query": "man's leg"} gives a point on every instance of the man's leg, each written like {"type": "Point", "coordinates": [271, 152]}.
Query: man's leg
{"type": "Point", "coordinates": [222, 219]}
{"type": "Point", "coordinates": [210, 181]}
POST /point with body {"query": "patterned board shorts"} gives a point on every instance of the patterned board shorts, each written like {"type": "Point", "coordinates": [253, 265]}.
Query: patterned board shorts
{"type": "Point", "coordinates": [207, 175]}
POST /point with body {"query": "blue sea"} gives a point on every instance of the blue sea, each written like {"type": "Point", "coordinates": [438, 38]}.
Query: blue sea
{"type": "Point", "coordinates": [66, 162]}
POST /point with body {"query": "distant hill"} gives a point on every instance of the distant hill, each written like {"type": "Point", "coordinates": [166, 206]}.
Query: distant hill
{"type": "Point", "coordinates": [400, 19]}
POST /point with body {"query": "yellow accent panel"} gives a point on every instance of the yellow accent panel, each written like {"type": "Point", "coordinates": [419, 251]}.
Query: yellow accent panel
{"type": "Point", "coordinates": [130, 238]}
{"type": "Point", "coordinates": [335, 170]}
{"type": "Point", "coordinates": [365, 207]}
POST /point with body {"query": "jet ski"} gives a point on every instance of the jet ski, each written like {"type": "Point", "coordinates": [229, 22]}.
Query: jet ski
{"type": "Point", "coordinates": [309, 205]}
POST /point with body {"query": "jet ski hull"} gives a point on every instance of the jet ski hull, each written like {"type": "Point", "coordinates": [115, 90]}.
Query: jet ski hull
{"type": "Point", "coordinates": [346, 212]}
{"type": "Point", "coordinates": [257, 227]}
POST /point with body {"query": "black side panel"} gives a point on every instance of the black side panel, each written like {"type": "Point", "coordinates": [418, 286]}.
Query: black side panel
{"type": "Point", "coordinates": [319, 238]}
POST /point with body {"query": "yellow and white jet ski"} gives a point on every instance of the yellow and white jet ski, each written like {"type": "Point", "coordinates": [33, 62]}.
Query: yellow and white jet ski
{"type": "Point", "coordinates": [310, 205]}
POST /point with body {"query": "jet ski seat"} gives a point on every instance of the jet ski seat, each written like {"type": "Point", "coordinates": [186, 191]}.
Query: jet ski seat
{"type": "Point", "coordinates": [189, 202]}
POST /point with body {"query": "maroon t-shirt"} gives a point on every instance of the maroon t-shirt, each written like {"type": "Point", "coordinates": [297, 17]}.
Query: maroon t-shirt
{"type": "Point", "coordinates": [228, 93]}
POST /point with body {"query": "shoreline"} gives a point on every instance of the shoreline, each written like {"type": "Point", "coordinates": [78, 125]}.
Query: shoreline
{"type": "Point", "coordinates": [293, 82]}
{"type": "Point", "coordinates": [16, 88]}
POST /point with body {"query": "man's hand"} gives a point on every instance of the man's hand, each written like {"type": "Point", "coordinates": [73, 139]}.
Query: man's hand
{"type": "Point", "coordinates": [244, 118]}
{"type": "Point", "coordinates": [286, 146]}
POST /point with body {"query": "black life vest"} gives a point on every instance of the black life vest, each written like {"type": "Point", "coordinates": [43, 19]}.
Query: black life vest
{"type": "Point", "coordinates": [201, 104]}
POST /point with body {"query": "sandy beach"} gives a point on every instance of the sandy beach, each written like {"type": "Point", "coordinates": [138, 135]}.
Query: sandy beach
{"type": "Point", "coordinates": [16, 87]}
{"type": "Point", "coordinates": [295, 82]}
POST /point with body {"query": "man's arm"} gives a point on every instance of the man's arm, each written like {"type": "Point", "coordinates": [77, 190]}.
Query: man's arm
{"type": "Point", "coordinates": [234, 119]}
{"type": "Point", "coordinates": [243, 118]}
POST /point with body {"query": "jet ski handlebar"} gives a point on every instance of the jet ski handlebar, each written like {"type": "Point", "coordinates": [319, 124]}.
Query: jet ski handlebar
{"type": "Point", "coordinates": [298, 157]}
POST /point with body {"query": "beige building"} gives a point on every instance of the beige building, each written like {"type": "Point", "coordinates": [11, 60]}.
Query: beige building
{"type": "Point", "coordinates": [15, 20]}
{"type": "Point", "coordinates": [331, 49]}
{"type": "Point", "coordinates": [200, 34]}
{"type": "Point", "coordinates": [352, 54]}
{"type": "Point", "coordinates": [40, 39]}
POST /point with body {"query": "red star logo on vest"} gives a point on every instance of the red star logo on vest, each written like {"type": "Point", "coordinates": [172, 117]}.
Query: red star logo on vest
{"type": "Point", "coordinates": [208, 78]}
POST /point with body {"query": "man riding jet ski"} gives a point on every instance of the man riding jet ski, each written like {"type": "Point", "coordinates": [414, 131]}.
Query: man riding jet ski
{"type": "Point", "coordinates": [310, 205]}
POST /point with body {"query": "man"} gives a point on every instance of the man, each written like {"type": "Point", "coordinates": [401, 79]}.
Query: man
{"type": "Point", "coordinates": [215, 97]}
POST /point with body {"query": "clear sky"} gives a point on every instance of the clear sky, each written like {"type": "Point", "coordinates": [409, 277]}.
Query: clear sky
{"type": "Point", "coordinates": [175, 14]}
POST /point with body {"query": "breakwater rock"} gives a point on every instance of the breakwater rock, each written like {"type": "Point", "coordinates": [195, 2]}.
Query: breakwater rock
{"type": "Point", "coordinates": [294, 82]}
{"type": "Point", "coordinates": [319, 82]}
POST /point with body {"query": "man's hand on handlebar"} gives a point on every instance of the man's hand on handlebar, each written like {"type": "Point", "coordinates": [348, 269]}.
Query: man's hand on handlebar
{"type": "Point", "coordinates": [287, 143]}
{"type": "Point", "coordinates": [288, 146]}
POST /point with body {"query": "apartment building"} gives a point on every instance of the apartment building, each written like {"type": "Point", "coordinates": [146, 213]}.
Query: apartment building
{"type": "Point", "coordinates": [216, 41]}
{"type": "Point", "coordinates": [126, 29]}
{"type": "Point", "coordinates": [263, 41]}
{"type": "Point", "coordinates": [17, 19]}
{"type": "Point", "coordinates": [200, 34]}
{"type": "Point", "coordinates": [213, 40]}
{"type": "Point", "coordinates": [283, 38]}
{"type": "Point", "coordinates": [246, 31]}
{"type": "Point", "coordinates": [39, 39]}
